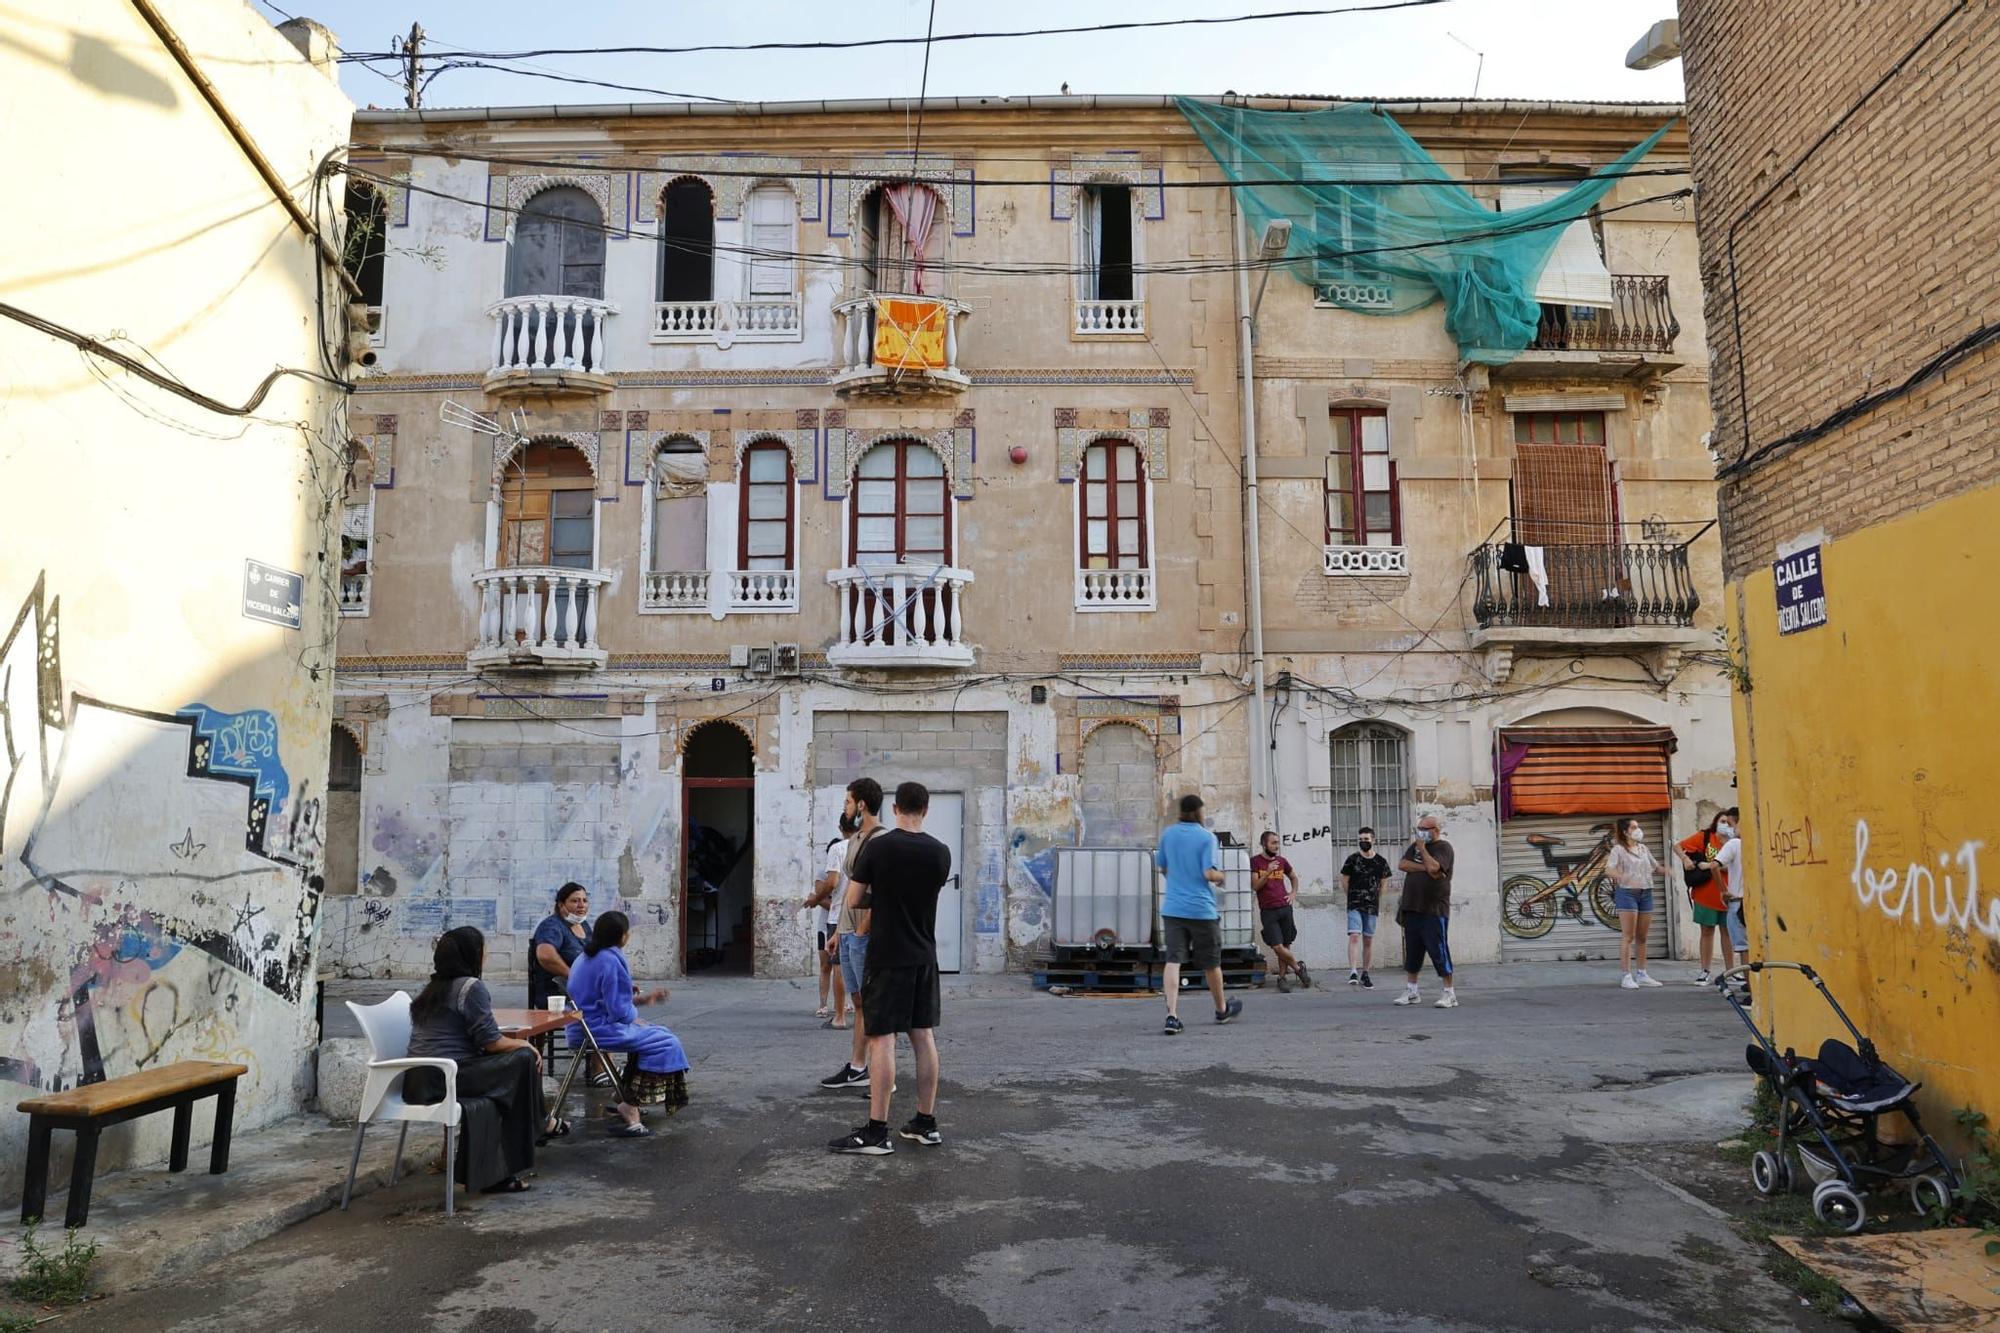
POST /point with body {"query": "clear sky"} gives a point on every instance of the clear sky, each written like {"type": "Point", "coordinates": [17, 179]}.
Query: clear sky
{"type": "Point", "coordinates": [1561, 49]}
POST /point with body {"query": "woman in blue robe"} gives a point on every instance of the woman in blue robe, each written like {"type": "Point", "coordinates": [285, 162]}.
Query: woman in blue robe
{"type": "Point", "coordinates": [600, 986]}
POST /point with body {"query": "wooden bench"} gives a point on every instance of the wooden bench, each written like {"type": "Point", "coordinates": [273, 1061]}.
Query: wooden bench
{"type": "Point", "coordinates": [90, 1108]}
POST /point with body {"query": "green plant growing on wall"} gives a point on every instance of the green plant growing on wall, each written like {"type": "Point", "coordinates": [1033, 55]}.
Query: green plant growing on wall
{"type": "Point", "coordinates": [1978, 1199]}
{"type": "Point", "coordinates": [60, 1277]}
{"type": "Point", "coordinates": [1734, 660]}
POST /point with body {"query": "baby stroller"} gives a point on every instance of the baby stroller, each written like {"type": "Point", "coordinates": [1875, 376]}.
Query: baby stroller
{"type": "Point", "coordinates": [1829, 1106]}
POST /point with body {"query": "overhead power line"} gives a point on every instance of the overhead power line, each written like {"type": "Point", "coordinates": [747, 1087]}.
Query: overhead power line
{"type": "Point", "coordinates": [1033, 270]}
{"type": "Point", "coordinates": [858, 43]}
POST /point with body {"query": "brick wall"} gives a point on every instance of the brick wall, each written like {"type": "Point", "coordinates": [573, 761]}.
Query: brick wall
{"type": "Point", "coordinates": [901, 747]}
{"type": "Point", "coordinates": [1880, 251]}
{"type": "Point", "coordinates": [1120, 788]}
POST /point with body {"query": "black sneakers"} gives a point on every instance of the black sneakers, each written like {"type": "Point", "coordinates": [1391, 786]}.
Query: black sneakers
{"type": "Point", "coordinates": [922, 1129]}
{"type": "Point", "coordinates": [1174, 1027]}
{"type": "Point", "coordinates": [870, 1140]}
{"type": "Point", "coordinates": [848, 1077]}
{"type": "Point", "coordinates": [1367, 982]}
{"type": "Point", "coordinates": [1229, 1011]}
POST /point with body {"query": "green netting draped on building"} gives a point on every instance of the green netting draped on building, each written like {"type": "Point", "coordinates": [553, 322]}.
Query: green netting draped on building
{"type": "Point", "coordinates": [1391, 248]}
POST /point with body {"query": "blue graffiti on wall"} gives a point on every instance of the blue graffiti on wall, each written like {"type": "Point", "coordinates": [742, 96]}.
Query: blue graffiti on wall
{"type": "Point", "coordinates": [243, 745]}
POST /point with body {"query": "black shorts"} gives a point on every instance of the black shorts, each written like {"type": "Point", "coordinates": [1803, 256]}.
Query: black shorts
{"type": "Point", "coordinates": [1190, 940]}
{"type": "Point", "coordinates": [1279, 927]}
{"type": "Point", "coordinates": [822, 941]}
{"type": "Point", "coordinates": [1426, 936]}
{"type": "Point", "coordinates": [900, 999]}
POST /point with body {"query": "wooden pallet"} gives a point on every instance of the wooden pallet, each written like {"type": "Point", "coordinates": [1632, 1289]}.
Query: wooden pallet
{"type": "Point", "coordinates": [1085, 979]}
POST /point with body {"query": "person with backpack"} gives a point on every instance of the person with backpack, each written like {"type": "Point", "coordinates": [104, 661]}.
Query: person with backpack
{"type": "Point", "coordinates": [1708, 888]}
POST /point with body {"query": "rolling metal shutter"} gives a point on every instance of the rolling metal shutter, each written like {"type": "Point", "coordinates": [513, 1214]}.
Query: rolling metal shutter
{"type": "Point", "coordinates": [1585, 937]}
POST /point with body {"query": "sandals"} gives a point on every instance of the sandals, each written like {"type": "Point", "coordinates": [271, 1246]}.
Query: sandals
{"type": "Point", "coordinates": [822, 1012]}
{"type": "Point", "coordinates": [623, 1131]}
{"type": "Point", "coordinates": [600, 1079]}
{"type": "Point", "coordinates": [560, 1131]}
{"type": "Point", "coordinates": [511, 1185]}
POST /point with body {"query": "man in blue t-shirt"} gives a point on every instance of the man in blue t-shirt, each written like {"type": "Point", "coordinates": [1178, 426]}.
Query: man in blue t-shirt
{"type": "Point", "coordinates": [1193, 926]}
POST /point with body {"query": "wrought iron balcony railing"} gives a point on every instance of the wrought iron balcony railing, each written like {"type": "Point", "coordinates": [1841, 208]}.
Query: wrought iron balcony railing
{"type": "Point", "coordinates": [1605, 585]}
{"type": "Point", "coordinates": [1640, 319]}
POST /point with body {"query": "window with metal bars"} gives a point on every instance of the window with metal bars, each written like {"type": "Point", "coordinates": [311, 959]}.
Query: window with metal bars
{"type": "Point", "coordinates": [1370, 784]}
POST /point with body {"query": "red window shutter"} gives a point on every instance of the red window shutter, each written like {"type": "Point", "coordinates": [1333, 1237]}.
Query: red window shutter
{"type": "Point", "coordinates": [1590, 771]}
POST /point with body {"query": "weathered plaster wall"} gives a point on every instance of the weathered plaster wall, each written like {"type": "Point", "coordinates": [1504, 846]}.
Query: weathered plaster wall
{"type": "Point", "coordinates": [163, 757]}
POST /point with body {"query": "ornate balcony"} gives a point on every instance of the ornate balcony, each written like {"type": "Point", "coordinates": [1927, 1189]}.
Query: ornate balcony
{"type": "Point", "coordinates": [744, 591]}
{"type": "Point", "coordinates": [723, 323]}
{"type": "Point", "coordinates": [1364, 560]}
{"type": "Point", "coordinates": [898, 346]}
{"type": "Point", "coordinates": [544, 344]}
{"type": "Point", "coordinates": [1110, 318]}
{"type": "Point", "coordinates": [539, 617]}
{"type": "Point", "coordinates": [354, 594]}
{"type": "Point", "coordinates": [1632, 338]}
{"type": "Point", "coordinates": [901, 616]}
{"type": "Point", "coordinates": [1621, 596]}
{"type": "Point", "coordinates": [1114, 589]}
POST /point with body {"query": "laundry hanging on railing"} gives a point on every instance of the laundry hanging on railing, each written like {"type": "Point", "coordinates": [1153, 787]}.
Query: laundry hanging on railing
{"type": "Point", "coordinates": [915, 207]}
{"type": "Point", "coordinates": [1395, 247]}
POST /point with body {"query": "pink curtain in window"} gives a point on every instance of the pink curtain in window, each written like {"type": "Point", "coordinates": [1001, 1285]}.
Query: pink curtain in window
{"type": "Point", "coordinates": [915, 208]}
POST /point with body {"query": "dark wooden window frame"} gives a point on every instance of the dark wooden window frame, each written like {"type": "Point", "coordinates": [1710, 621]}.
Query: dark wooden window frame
{"type": "Point", "coordinates": [743, 488]}
{"type": "Point", "coordinates": [902, 510]}
{"type": "Point", "coordinates": [1113, 448]}
{"type": "Point", "coordinates": [1347, 421]}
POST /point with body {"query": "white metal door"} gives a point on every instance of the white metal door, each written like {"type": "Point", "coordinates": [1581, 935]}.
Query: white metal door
{"type": "Point", "coordinates": [946, 823]}
{"type": "Point", "coordinates": [1580, 936]}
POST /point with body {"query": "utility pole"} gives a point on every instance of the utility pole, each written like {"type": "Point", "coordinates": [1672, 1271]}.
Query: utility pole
{"type": "Point", "coordinates": [413, 65]}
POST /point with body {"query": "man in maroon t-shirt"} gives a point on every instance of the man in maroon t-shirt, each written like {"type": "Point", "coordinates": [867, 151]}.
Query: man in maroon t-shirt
{"type": "Point", "coordinates": [1277, 886]}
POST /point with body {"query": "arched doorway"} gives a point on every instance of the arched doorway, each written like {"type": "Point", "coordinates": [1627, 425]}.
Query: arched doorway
{"type": "Point", "coordinates": [1121, 788]}
{"type": "Point", "coordinates": [343, 813]}
{"type": "Point", "coordinates": [718, 831]}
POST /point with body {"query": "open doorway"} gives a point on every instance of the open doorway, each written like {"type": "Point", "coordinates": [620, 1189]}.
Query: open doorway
{"type": "Point", "coordinates": [718, 820]}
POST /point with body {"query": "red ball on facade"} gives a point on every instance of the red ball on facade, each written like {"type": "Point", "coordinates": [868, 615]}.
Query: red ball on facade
{"type": "Point", "coordinates": [1019, 453]}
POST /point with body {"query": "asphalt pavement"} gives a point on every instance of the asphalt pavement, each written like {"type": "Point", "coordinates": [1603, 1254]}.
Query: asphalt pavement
{"type": "Point", "coordinates": [1328, 1161]}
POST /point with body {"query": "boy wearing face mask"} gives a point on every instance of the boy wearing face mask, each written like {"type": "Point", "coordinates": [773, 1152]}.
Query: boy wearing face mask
{"type": "Point", "coordinates": [1701, 852]}
{"type": "Point", "coordinates": [1361, 876]}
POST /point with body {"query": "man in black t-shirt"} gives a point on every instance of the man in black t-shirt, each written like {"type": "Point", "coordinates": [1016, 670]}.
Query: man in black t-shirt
{"type": "Point", "coordinates": [1361, 875]}
{"type": "Point", "coordinates": [902, 871]}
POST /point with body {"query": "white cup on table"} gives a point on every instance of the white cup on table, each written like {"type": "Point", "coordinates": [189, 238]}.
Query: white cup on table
{"type": "Point", "coordinates": [558, 1004]}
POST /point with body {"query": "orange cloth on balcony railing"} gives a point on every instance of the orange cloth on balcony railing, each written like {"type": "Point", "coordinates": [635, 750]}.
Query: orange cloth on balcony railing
{"type": "Point", "coordinates": [1590, 771]}
{"type": "Point", "coordinates": [909, 335]}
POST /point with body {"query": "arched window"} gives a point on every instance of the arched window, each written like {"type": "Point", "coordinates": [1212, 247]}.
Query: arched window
{"type": "Point", "coordinates": [357, 532]}
{"type": "Point", "coordinates": [1370, 781]}
{"type": "Point", "coordinates": [770, 213]}
{"type": "Point", "coordinates": [548, 508]}
{"type": "Point", "coordinates": [344, 763]}
{"type": "Point", "coordinates": [680, 508]}
{"type": "Point", "coordinates": [558, 247]}
{"type": "Point", "coordinates": [366, 241]}
{"type": "Point", "coordinates": [1112, 531]}
{"type": "Point", "coordinates": [687, 242]}
{"type": "Point", "coordinates": [1104, 215]}
{"type": "Point", "coordinates": [900, 513]}
{"type": "Point", "coordinates": [898, 238]}
{"type": "Point", "coordinates": [764, 526]}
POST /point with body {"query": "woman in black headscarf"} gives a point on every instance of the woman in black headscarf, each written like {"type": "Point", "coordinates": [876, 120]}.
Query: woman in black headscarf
{"type": "Point", "coordinates": [499, 1077]}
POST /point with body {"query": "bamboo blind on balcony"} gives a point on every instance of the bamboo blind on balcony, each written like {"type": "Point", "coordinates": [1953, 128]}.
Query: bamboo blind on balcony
{"type": "Point", "coordinates": [1562, 495]}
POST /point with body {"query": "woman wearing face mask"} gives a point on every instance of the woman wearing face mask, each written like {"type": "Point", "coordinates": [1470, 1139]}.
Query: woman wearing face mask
{"type": "Point", "coordinates": [1698, 853]}
{"type": "Point", "coordinates": [557, 944]}
{"type": "Point", "coordinates": [1632, 870]}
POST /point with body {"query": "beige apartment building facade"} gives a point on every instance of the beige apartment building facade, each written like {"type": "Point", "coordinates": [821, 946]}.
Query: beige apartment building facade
{"type": "Point", "coordinates": [712, 458]}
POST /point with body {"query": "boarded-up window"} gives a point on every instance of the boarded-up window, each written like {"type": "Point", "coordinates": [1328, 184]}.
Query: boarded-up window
{"type": "Point", "coordinates": [548, 508]}
{"type": "Point", "coordinates": [1370, 783]}
{"type": "Point", "coordinates": [1120, 788]}
{"type": "Point", "coordinates": [680, 508]}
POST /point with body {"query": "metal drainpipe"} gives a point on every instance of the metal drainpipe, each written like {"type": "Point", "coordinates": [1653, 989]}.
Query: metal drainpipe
{"type": "Point", "coordinates": [1253, 572]}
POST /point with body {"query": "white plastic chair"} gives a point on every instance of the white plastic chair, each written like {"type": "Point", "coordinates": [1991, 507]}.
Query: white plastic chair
{"type": "Point", "coordinates": [387, 1026]}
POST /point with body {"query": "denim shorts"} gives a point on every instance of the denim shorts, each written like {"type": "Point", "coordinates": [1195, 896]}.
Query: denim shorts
{"type": "Point", "coordinates": [853, 959]}
{"type": "Point", "coordinates": [1739, 932]}
{"type": "Point", "coordinates": [1632, 900]}
{"type": "Point", "coordinates": [1360, 923]}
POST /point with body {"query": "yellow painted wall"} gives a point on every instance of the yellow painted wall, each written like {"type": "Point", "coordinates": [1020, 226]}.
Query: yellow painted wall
{"type": "Point", "coordinates": [1868, 754]}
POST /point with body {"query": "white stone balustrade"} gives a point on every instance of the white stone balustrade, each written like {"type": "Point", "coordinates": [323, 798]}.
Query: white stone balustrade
{"type": "Point", "coordinates": [1114, 590]}
{"type": "Point", "coordinates": [539, 616]}
{"type": "Point", "coordinates": [354, 594]}
{"type": "Point", "coordinates": [675, 590]}
{"type": "Point", "coordinates": [549, 334]}
{"type": "Point", "coordinates": [901, 616]}
{"type": "Point", "coordinates": [1094, 317]}
{"type": "Point", "coordinates": [856, 369]}
{"type": "Point", "coordinates": [1365, 560]}
{"type": "Point", "coordinates": [763, 590]}
{"type": "Point", "coordinates": [765, 319]}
